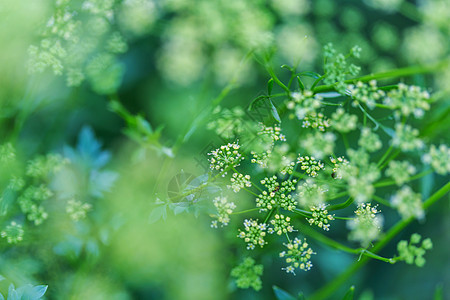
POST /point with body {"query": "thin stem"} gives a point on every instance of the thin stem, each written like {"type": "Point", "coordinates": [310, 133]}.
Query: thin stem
{"type": "Point", "coordinates": [388, 151]}
{"type": "Point", "coordinates": [341, 205]}
{"type": "Point", "coordinates": [392, 182]}
{"type": "Point", "coordinates": [275, 78]}
{"type": "Point", "coordinates": [388, 74]}
{"type": "Point", "coordinates": [381, 200]}
{"type": "Point", "coordinates": [394, 155]}
{"type": "Point", "coordinates": [244, 211]}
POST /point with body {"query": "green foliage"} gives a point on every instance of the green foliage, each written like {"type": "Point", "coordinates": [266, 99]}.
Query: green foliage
{"type": "Point", "coordinates": [247, 274]}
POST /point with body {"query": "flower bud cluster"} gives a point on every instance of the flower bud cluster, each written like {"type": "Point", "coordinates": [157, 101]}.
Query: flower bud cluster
{"type": "Point", "coordinates": [227, 156]}
{"type": "Point", "coordinates": [366, 225]}
{"type": "Point", "coordinates": [224, 210]}
{"type": "Point", "coordinates": [310, 165]}
{"type": "Point", "coordinates": [400, 171]}
{"type": "Point", "coordinates": [320, 217]}
{"type": "Point", "coordinates": [408, 203]}
{"type": "Point", "coordinates": [342, 121]}
{"type": "Point", "coordinates": [253, 234]}
{"type": "Point", "coordinates": [413, 253]}
{"type": "Point", "coordinates": [439, 158]}
{"type": "Point", "coordinates": [297, 256]}
{"type": "Point", "coordinates": [316, 120]}
{"type": "Point", "coordinates": [248, 274]}
{"type": "Point", "coordinates": [408, 100]}
{"type": "Point", "coordinates": [281, 224]}
{"type": "Point", "coordinates": [277, 195]}
{"type": "Point", "coordinates": [13, 233]}
{"type": "Point", "coordinates": [239, 181]}
{"type": "Point", "coordinates": [368, 94]}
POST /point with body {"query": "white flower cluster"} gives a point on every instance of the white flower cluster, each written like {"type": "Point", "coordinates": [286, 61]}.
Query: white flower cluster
{"type": "Point", "coordinates": [400, 171]}
{"type": "Point", "coordinates": [224, 210]}
{"type": "Point", "coordinates": [316, 120]}
{"type": "Point", "coordinates": [310, 165]}
{"type": "Point", "coordinates": [368, 94]}
{"type": "Point", "coordinates": [239, 181]}
{"type": "Point", "coordinates": [339, 165]}
{"type": "Point", "coordinates": [225, 157]}
{"type": "Point", "coordinates": [304, 104]}
{"type": "Point", "coordinates": [406, 138]}
{"type": "Point", "coordinates": [320, 217]}
{"type": "Point", "coordinates": [408, 203]}
{"type": "Point", "coordinates": [253, 234]}
{"type": "Point", "coordinates": [297, 256]}
{"type": "Point", "coordinates": [277, 195]}
{"type": "Point", "coordinates": [439, 158]}
{"type": "Point", "coordinates": [408, 100]}
{"type": "Point", "coordinates": [342, 121]}
{"type": "Point", "coordinates": [366, 225]}
{"type": "Point", "coordinates": [310, 193]}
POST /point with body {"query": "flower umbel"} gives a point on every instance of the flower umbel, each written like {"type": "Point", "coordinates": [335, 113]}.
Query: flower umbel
{"type": "Point", "coordinates": [320, 217]}
{"type": "Point", "coordinates": [277, 195]}
{"type": "Point", "coordinates": [225, 157]}
{"type": "Point", "coordinates": [297, 256]}
{"type": "Point", "coordinates": [253, 233]}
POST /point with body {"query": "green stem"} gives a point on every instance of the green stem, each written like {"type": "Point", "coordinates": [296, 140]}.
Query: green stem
{"type": "Point", "coordinates": [275, 78]}
{"type": "Point", "coordinates": [388, 151]}
{"type": "Point", "coordinates": [388, 74]}
{"type": "Point", "coordinates": [392, 182]}
{"type": "Point", "coordinates": [341, 205]}
{"type": "Point", "coordinates": [331, 287]}
{"type": "Point", "coordinates": [381, 200]}
{"type": "Point", "coordinates": [244, 211]}
{"type": "Point", "coordinates": [396, 153]}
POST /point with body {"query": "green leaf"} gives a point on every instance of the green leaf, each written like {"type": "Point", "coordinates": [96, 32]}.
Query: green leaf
{"type": "Point", "coordinates": [256, 100]}
{"type": "Point", "coordinates": [274, 111]}
{"type": "Point", "coordinates": [286, 67]}
{"type": "Point", "coordinates": [310, 74]}
{"type": "Point", "coordinates": [281, 294]}
{"type": "Point", "coordinates": [350, 293]}
{"type": "Point", "coordinates": [300, 84]}
{"type": "Point", "coordinates": [158, 213]}
{"type": "Point", "coordinates": [270, 86]}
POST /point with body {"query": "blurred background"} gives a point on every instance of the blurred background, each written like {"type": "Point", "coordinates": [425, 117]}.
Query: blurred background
{"type": "Point", "coordinates": [122, 93]}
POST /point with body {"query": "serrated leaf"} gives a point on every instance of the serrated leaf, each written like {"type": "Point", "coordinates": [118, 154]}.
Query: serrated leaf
{"type": "Point", "coordinates": [350, 293]}
{"type": "Point", "coordinates": [310, 74]}
{"type": "Point", "coordinates": [281, 294]}
{"type": "Point", "coordinates": [274, 112]}
{"type": "Point", "coordinates": [270, 86]}
{"type": "Point", "coordinates": [300, 84]}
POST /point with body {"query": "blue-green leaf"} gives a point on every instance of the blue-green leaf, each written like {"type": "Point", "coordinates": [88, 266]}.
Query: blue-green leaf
{"type": "Point", "coordinates": [282, 294]}
{"type": "Point", "coordinates": [274, 112]}
{"type": "Point", "coordinates": [158, 213]}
